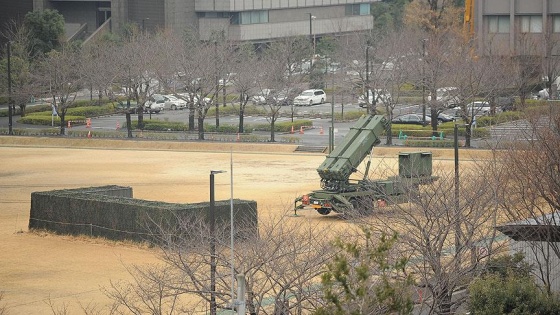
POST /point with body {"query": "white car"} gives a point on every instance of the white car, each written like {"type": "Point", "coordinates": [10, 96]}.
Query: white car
{"type": "Point", "coordinates": [188, 97]}
{"type": "Point", "coordinates": [477, 108]}
{"type": "Point", "coordinates": [174, 103]}
{"type": "Point", "coordinates": [268, 96]}
{"type": "Point", "coordinates": [448, 96]}
{"type": "Point", "coordinates": [381, 97]}
{"type": "Point", "coordinates": [155, 104]}
{"type": "Point", "coordinates": [310, 97]}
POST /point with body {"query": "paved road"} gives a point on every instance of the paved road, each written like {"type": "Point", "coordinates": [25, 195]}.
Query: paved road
{"type": "Point", "coordinates": [317, 136]}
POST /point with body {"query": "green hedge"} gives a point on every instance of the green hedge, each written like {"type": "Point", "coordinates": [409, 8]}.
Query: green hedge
{"type": "Point", "coordinates": [500, 118]}
{"type": "Point", "coordinates": [159, 125]}
{"type": "Point", "coordinates": [285, 126]}
{"type": "Point", "coordinates": [418, 131]}
{"type": "Point", "coordinates": [430, 143]}
{"type": "Point", "coordinates": [111, 212]}
{"type": "Point", "coordinates": [250, 109]}
{"type": "Point", "coordinates": [48, 120]}
{"type": "Point", "coordinates": [350, 115]}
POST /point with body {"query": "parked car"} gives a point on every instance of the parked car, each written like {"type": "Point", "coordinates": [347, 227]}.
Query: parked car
{"type": "Point", "coordinates": [270, 96]}
{"type": "Point", "coordinates": [174, 103]}
{"type": "Point", "coordinates": [155, 104]}
{"type": "Point", "coordinates": [448, 96]}
{"type": "Point", "coordinates": [228, 80]}
{"type": "Point", "coordinates": [476, 108]}
{"type": "Point", "coordinates": [505, 103]}
{"type": "Point", "coordinates": [188, 97]}
{"type": "Point", "coordinates": [133, 108]}
{"type": "Point", "coordinates": [381, 97]}
{"type": "Point", "coordinates": [310, 97]}
{"type": "Point", "coordinates": [413, 119]}
{"type": "Point", "coordinates": [445, 117]}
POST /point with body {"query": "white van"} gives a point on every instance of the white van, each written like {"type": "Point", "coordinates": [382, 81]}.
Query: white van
{"type": "Point", "coordinates": [381, 97]}
{"type": "Point", "coordinates": [448, 96]}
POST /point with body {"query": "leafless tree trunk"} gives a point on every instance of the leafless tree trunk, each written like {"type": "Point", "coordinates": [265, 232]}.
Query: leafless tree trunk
{"type": "Point", "coordinates": [447, 236]}
{"type": "Point", "coordinates": [282, 260]}
{"type": "Point", "coordinates": [63, 72]}
{"type": "Point", "coordinates": [533, 189]}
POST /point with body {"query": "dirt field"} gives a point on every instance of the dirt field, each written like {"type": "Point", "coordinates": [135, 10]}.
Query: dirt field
{"type": "Point", "coordinates": [36, 268]}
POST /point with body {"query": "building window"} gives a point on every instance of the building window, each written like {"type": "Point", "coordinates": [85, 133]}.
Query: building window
{"type": "Point", "coordinates": [531, 24]}
{"type": "Point", "coordinates": [249, 17]}
{"type": "Point", "coordinates": [358, 9]}
{"type": "Point", "coordinates": [498, 24]}
{"type": "Point", "coordinates": [556, 23]}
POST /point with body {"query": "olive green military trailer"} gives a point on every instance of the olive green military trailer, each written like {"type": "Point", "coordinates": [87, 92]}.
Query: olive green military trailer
{"type": "Point", "coordinates": [339, 193]}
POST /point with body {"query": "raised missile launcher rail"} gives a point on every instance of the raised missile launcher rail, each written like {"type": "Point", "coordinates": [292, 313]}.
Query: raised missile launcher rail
{"type": "Point", "coordinates": [341, 194]}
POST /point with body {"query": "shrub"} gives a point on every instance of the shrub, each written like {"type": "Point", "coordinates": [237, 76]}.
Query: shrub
{"type": "Point", "coordinates": [160, 125]}
{"type": "Point", "coordinates": [500, 118]}
{"type": "Point", "coordinates": [223, 128]}
{"type": "Point", "coordinates": [47, 120]}
{"type": "Point", "coordinates": [285, 126]}
{"type": "Point", "coordinates": [250, 109]}
{"type": "Point", "coordinates": [92, 111]}
{"type": "Point", "coordinates": [430, 143]}
{"type": "Point", "coordinates": [352, 115]}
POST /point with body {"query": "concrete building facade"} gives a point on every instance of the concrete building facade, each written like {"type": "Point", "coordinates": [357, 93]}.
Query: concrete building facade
{"type": "Point", "coordinates": [516, 27]}
{"type": "Point", "coordinates": [237, 20]}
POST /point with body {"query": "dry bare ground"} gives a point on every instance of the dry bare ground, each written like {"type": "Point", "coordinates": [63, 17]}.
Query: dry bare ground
{"type": "Point", "coordinates": [37, 267]}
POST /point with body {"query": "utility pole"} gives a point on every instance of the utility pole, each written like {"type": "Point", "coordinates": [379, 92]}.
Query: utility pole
{"type": "Point", "coordinates": [369, 106]}
{"type": "Point", "coordinates": [217, 106]}
{"type": "Point", "coordinates": [424, 83]}
{"type": "Point", "coordinates": [212, 219]}
{"type": "Point", "coordinates": [10, 108]}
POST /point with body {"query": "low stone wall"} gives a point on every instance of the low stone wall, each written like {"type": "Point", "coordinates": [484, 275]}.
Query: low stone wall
{"type": "Point", "coordinates": [112, 213]}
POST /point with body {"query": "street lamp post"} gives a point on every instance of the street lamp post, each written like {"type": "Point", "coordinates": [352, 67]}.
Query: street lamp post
{"type": "Point", "coordinates": [424, 82]}
{"type": "Point", "coordinates": [10, 108]}
{"type": "Point", "coordinates": [212, 219]}
{"type": "Point", "coordinates": [144, 24]}
{"type": "Point", "coordinates": [311, 36]}
{"type": "Point", "coordinates": [217, 86]}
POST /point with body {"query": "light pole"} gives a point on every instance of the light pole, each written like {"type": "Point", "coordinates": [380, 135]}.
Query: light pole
{"type": "Point", "coordinates": [217, 86]}
{"type": "Point", "coordinates": [424, 82]}
{"type": "Point", "coordinates": [231, 228]}
{"type": "Point", "coordinates": [10, 109]}
{"type": "Point", "coordinates": [212, 219]}
{"type": "Point", "coordinates": [311, 37]}
{"type": "Point", "coordinates": [370, 107]}
{"type": "Point", "coordinates": [144, 24]}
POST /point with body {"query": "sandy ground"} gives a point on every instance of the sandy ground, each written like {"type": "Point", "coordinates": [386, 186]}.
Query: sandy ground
{"type": "Point", "coordinates": [35, 268]}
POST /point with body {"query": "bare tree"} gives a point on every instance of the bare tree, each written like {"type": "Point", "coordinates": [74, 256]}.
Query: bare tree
{"type": "Point", "coordinates": [281, 263]}
{"type": "Point", "coordinates": [524, 65]}
{"type": "Point", "coordinates": [446, 232]}
{"type": "Point", "coordinates": [245, 66]}
{"type": "Point", "coordinates": [532, 187]}
{"type": "Point", "coordinates": [395, 49]}
{"type": "Point", "coordinates": [281, 66]}
{"type": "Point", "coordinates": [135, 63]}
{"type": "Point", "coordinates": [24, 83]}
{"type": "Point", "coordinates": [62, 72]}
{"type": "Point", "coordinates": [550, 46]}
{"type": "Point", "coordinates": [481, 79]}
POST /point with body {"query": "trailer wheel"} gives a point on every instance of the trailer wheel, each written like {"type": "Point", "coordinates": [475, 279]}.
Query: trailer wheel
{"type": "Point", "coordinates": [324, 211]}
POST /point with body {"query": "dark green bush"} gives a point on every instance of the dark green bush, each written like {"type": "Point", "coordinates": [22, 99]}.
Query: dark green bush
{"type": "Point", "coordinates": [250, 109]}
{"type": "Point", "coordinates": [160, 125]}
{"type": "Point", "coordinates": [430, 143]}
{"type": "Point", "coordinates": [46, 120]}
{"type": "Point", "coordinates": [222, 128]}
{"type": "Point", "coordinates": [500, 118]}
{"type": "Point", "coordinates": [351, 115]}
{"type": "Point", "coordinates": [92, 111]}
{"type": "Point", "coordinates": [282, 126]}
